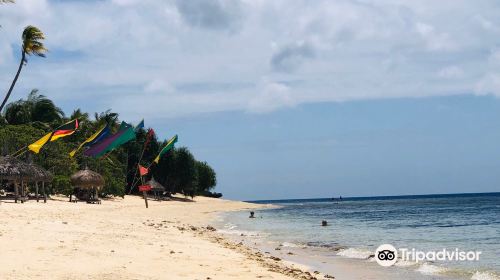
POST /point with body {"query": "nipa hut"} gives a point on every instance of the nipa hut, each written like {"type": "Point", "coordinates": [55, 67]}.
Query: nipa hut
{"type": "Point", "coordinates": [20, 174]}
{"type": "Point", "coordinates": [156, 188]}
{"type": "Point", "coordinates": [87, 184]}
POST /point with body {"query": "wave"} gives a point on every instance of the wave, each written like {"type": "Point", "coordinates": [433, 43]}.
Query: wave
{"type": "Point", "coordinates": [401, 263]}
{"type": "Point", "coordinates": [482, 275]}
{"type": "Point", "coordinates": [291, 245]}
{"type": "Point", "coordinates": [230, 226]}
{"type": "Point", "coordinates": [328, 245]}
{"type": "Point", "coordinates": [354, 253]}
{"type": "Point", "coordinates": [240, 232]}
{"type": "Point", "coordinates": [430, 269]}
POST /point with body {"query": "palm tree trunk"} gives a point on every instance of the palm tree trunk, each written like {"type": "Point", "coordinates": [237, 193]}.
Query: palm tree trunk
{"type": "Point", "coordinates": [23, 57]}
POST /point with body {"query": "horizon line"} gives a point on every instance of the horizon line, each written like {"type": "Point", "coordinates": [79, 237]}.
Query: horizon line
{"type": "Point", "coordinates": [378, 196]}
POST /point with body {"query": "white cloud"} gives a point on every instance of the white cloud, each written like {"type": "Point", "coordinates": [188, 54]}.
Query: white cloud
{"type": "Point", "coordinates": [450, 72]}
{"type": "Point", "coordinates": [178, 58]}
{"type": "Point", "coordinates": [434, 40]}
{"type": "Point", "coordinates": [489, 84]}
{"type": "Point", "coordinates": [159, 85]}
{"type": "Point", "coordinates": [271, 96]}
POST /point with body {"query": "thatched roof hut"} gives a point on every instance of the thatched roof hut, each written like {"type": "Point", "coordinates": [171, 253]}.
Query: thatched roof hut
{"type": "Point", "coordinates": [40, 174]}
{"type": "Point", "coordinates": [155, 186]}
{"type": "Point", "coordinates": [87, 179]}
{"type": "Point", "coordinates": [21, 174]}
{"type": "Point", "coordinates": [13, 169]}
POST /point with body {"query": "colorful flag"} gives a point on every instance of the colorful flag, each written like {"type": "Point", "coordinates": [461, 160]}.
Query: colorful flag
{"type": "Point", "coordinates": [62, 131]}
{"type": "Point", "coordinates": [112, 142]}
{"type": "Point", "coordinates": [139, 126]}
{"type": "Point", "coordinates": [65, 130]}
{"type": "Point", "coordinates": [96, 137]}
{"type": "Point", "coordinates": [168, 147]}
{"type": "Point", "coordinates": [35, 147]}
{"type": "Point", "coordinates": [143, 170]}
{"type": "Point", "coordinates": [123, 126]}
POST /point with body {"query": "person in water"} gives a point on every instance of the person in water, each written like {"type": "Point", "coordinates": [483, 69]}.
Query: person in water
{"type": "Point", "coordinates": [252, 215]}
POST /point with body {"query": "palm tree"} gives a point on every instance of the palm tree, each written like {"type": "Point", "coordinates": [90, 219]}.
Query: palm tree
{"type": "Point", "coordinates": [37, 110]}
{"type": "Point", "coordinates": [32, 45]}
{"type": "Point", "coordinates": [107, 117]}
{"type": "Point", "coordinates": [43, 109]}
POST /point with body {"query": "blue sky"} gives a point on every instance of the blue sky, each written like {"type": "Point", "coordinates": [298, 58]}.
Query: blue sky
{"type": "Point", "coordinates": [285, 98]}
{"type": "Point", "coordinates": [362, 148]}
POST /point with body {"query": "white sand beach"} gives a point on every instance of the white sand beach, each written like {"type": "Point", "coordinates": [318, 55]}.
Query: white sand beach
{"type": "Point", "coordinates": [121, 239]}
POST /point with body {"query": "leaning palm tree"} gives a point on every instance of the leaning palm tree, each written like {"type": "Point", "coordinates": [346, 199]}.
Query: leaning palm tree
{"type": "Point", "coordinates": [32, 45]}
{"type": "Point", "coordinates": [37, 110]}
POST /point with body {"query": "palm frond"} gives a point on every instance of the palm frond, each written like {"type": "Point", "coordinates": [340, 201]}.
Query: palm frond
{"type": "Point", "coordinates": [32, 45]}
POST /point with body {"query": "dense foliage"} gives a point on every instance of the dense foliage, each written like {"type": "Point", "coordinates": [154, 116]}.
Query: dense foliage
{"type": "Point", "coordinates": [26, 120]}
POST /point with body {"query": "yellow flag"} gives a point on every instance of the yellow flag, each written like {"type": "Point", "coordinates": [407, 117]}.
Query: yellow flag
{"type": "Point", "coordinates": [35, 147]}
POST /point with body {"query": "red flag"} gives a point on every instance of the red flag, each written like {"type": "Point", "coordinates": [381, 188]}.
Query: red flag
{"type": "Point", "coordinates": [143, 170]}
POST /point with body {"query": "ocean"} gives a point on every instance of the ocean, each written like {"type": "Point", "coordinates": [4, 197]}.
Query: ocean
{"type": "Point", "coordinates": [357, 226]}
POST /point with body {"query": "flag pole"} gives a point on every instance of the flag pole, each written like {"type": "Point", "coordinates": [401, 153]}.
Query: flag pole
{"type": "Point", "coordinates": [20, 154]}
{"type": "Point", "coordinates": [148, 135]}
{"type": "Point", "coordinates": [18, 151]}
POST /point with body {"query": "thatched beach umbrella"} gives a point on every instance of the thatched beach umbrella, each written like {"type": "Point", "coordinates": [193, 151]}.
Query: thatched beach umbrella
{"type": "Point", "coordinates": [156, 187]}
{"type": "Point", "coordinates": [40, 174]}
{"type": "Point", "coordinates": [13, 169]}
{"type": "Point", "coordinates": [43, 176]}
{"type": "Point", "coordinates": [89, 181]}
{"type": "Point", "coordinates": [17, 171]}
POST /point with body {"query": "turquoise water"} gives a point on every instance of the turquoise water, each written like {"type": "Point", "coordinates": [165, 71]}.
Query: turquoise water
{"type": "Point", "coordinates": [357, 226]}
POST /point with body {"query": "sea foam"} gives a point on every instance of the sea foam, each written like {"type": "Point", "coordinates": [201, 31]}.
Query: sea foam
{"type": "Point", "coordinates": [481, 275]}
{"type": "Point", "coordinates": [429, 269]}
{"type": "Point", "coordinates": [355, 253]}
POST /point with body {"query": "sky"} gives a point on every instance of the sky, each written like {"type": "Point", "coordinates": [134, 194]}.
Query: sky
{"type": "Point", "coordinates": [285, 98]}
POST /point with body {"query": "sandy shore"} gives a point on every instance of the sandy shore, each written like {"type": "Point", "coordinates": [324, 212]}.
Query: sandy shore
{"type": "Point", "coordinates": [121, 239]}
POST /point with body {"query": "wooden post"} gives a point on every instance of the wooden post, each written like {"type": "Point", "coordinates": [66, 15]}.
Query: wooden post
{"type": "Point", "coordinates": [44, 194]}
{"type": "Point", "coordinates": [144, 193]}
{"type": "Point", "coordinates": [22, 191]}
{"type": "Point", "coordinates": [16, 191]}
{"type": "Point", "coordinates": [36, 189]}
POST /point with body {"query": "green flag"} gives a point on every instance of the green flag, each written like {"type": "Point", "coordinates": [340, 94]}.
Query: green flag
{"type": "Point", "coordinates": [168, 147]}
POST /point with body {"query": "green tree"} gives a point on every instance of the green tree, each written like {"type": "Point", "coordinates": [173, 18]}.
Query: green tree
{"type": "Point", "coordinates": [32, 45]}
{"type": "Point", "coordinates": [206, 177]}
{"type": "Point", "coordinates": [52, 157]}
{"type": "Point", "coordinates": [185, 171]}
{"type": "Point", "coordinates": [107, 117]}
{"type": "Point", "coordinates": [36, 109]}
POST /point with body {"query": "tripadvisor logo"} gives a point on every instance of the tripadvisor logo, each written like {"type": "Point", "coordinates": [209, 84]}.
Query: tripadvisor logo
{"type": "Point", "coordinates": [387, 255]}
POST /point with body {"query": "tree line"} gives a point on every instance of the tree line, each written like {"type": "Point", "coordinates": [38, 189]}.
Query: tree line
{"type": "Point", "coordinates": [26, 120]}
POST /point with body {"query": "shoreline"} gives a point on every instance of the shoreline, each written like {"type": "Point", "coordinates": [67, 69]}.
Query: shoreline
{"type": "Point", "coordinates": [121, 239]}
{"type": "Point", "coordinates": [341, 261]}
